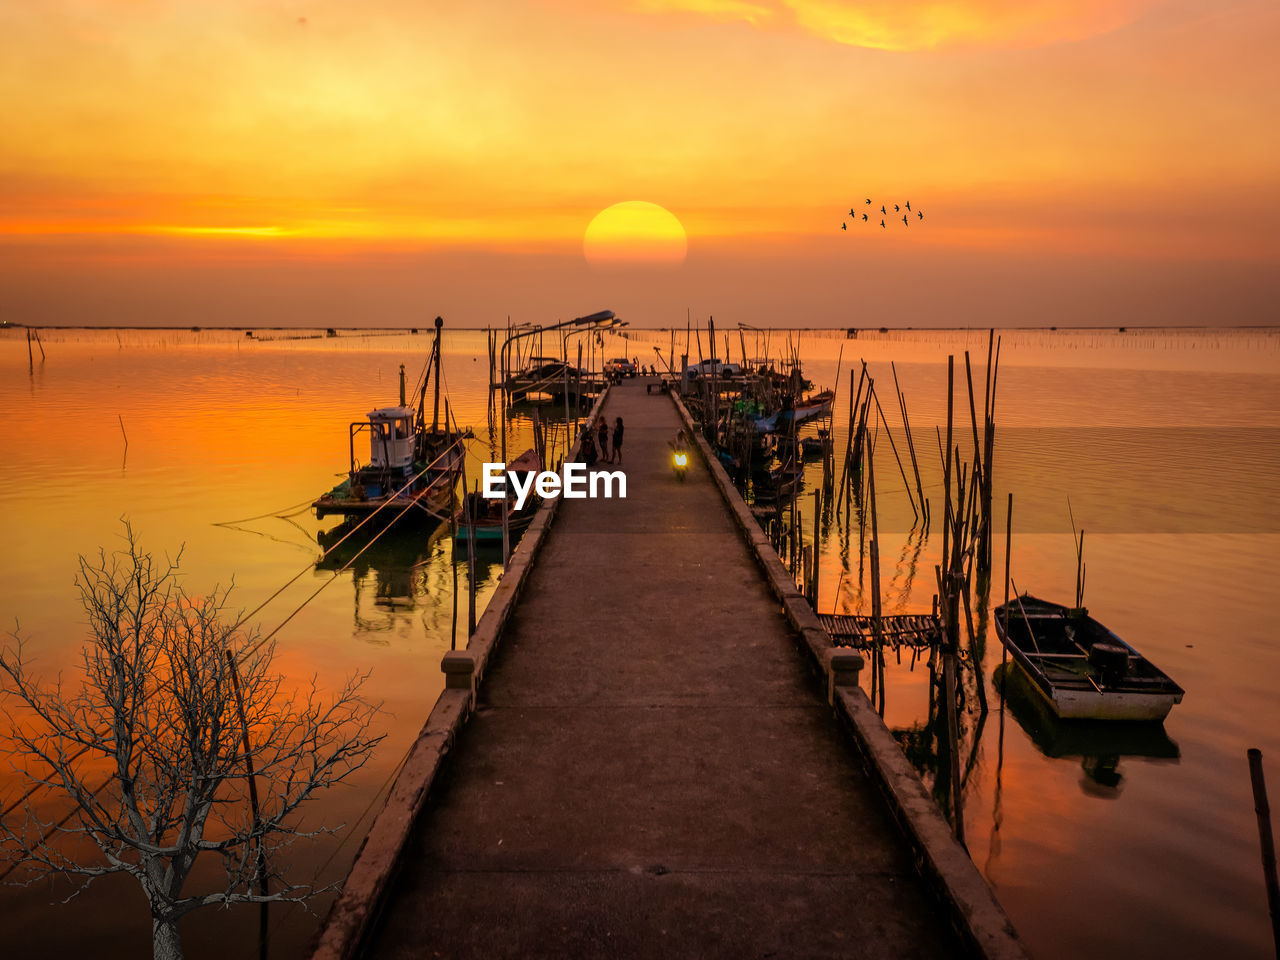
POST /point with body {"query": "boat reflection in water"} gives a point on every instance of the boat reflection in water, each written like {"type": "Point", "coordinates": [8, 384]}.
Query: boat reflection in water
{"type": "Point", "coordinates": [1100, 744]}
{"type": "Point", "coordinates": [401, 577]}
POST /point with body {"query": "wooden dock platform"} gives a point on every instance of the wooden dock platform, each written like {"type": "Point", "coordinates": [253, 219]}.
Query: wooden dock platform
{"type": "Point", "coordinates": [917, 631]}
{"type": "Point", "coordinates": [651, 766]}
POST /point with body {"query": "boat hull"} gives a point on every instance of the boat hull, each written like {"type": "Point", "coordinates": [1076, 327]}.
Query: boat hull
{"type": "Point", "coordinates": [430, 497]}
{"type": "Point", "coordinates": [489, 533]}
{"type": "Point", "coordinates": [1054, 648]}
{"type": "Point", "coordinates": [1109, 705]}
{"type": "Point", "coordinates": [432, 503]}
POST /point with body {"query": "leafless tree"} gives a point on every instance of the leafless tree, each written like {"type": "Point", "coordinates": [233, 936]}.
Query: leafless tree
{"type": "Point", "coordinates": [208, 751]}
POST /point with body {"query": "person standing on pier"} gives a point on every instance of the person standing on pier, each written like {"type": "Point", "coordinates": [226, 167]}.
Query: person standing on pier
{"type": "Point", "coordinates": [602, 431]}
{"type": "Point", "coordinates": [617, 442]}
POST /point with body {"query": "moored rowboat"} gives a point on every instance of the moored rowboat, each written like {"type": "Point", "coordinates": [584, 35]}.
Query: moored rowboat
{"type": "Point", "coordinates": [1082, 669]}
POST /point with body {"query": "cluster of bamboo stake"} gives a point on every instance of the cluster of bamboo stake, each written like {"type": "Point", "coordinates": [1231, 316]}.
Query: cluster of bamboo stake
{"type": "Point", "coordinates": [861, 409]}
{"type": "Point", "coordinates": [966, 545]}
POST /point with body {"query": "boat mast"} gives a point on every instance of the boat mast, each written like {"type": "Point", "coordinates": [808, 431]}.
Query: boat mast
{"type": "Point", "coordinates": [435, 410]}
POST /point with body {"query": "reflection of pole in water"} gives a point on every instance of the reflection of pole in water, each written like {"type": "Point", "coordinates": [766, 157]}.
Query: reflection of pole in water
{"type": "Point", "coordinates": [876, 630]}
{"type": "Point", "coordinates": [997, 797]}
{"type": "Point", "coordinates": [471, 559]}
{"type": "Point", "coordinates": [453, 541]}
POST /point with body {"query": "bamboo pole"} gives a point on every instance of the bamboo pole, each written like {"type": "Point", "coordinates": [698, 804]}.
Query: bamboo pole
{"type": "Point", "coordinates": [817, 513]}
{"type": "Point", "coordinates": [259, 864]}
{"type": "Point", "coordinates": [1008, 546]}
{"type": "Point", "coordinates": [506, 532]}
{"type": "Point", "coordinates": [471, 563]}
{"type": "Point", "coordinates": [946, 460]}
{"type": "Point", "coordinates": [1266, 841]}
{"type": "Point", "coordinates": [577, 396]}
{"type": "Point", "coordinates": [467, 519]}
{"type": "Point", "coordinates": [973, 415]}
{"type": "Point", "coordinates": [848, 445]}
{"type": "Point", "coordinates": [989, 453]}
{"type": "Point", "coordinates": [894, 447]}
{"type": "Point", "coordinates": [953, 742]}
{"type": "Point", "coordinates": [911, 447]}
{"type": "Point", "coordinates": [876, 626]}
{"type": "Point", "coordinates": [948, 589]}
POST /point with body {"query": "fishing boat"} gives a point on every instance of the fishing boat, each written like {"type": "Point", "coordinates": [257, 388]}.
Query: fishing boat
{"type": "Point", "coordinates": [412, 465]}
{"type": "Point", "coordinates": [549, 377]}
{"type": "Point", "coordinates": [810, 408]}
{"type": "Point", "coordinates": [1082, 669]}
{"type": "Point", "coordinates": [484, 516]}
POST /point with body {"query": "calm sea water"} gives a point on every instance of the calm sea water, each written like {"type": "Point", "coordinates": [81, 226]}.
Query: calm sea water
{"type": "Point", "coordinates": [1165, 442]}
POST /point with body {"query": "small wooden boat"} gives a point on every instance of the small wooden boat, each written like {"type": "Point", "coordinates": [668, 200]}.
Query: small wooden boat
{"type": "Point", "coordinates": [1082, 669]}
{"type": "Point", "coordinates": [485, 516]}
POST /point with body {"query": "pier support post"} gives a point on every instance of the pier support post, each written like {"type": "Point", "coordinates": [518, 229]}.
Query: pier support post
{"type": "Point", "coordinates": [459, 668]}
{"type": "Point", "coordinates": [843, 667]}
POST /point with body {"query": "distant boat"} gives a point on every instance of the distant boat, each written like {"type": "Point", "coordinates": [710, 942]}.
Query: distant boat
{"type": "Point", "coordinates": [818, 405]}
{"type": "Point", "coordinates": [550, 377]}
{"type": "Point", "coordinates": [1082, 669]}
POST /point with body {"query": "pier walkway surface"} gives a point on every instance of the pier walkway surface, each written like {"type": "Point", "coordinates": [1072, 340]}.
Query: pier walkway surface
{"type": "Point", "coordinates": [652, 769]}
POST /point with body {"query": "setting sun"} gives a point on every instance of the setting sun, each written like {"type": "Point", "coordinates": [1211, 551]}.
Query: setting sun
{"type": "Point", "coordinates": [635, 233]}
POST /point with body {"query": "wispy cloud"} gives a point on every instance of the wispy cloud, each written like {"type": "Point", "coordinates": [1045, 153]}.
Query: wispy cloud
{"type": "Point", "coordinates": [907, 25]}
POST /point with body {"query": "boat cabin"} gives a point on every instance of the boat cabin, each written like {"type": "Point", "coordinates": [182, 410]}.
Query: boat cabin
{"type": "Point", "coordinates": [391, 437]}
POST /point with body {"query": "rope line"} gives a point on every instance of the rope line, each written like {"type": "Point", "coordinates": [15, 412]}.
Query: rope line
{"type": "Point", "coordinates": [413, 502]}
{"type": "Point", "coordinates": [282, 512]}
{"type": "Point", "coordinates": [310, 566]}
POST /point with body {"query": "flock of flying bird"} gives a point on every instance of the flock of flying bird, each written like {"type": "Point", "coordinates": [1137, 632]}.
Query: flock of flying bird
{"type": "Point", "coordinates": [853, 214]}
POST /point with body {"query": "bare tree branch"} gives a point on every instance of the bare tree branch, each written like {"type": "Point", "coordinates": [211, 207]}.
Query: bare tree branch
{"type": "Point", "coordinates": [149, 752]}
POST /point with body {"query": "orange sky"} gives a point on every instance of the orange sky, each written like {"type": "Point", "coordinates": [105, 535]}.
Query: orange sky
{"type": "Point", "coordinates": [255, 162]}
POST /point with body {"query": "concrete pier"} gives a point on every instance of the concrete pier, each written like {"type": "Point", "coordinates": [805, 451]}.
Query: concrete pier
{"type": "Point", "coordinates": [652, 768]}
